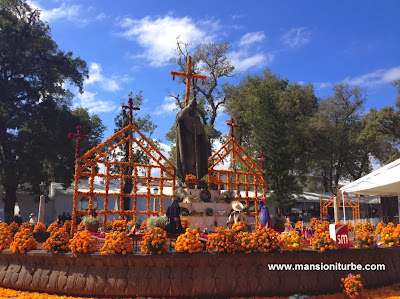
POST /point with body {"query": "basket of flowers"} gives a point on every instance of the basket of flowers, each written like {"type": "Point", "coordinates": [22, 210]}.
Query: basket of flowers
{"type": "Point", "coordinates": [14, 228]}
{"type": "Point", "coordinates": [322, 241]}
{"type": "Point", "coordinates": [82, 242]}
{"type": "Point", "coordinates": [5, 236]}
{"type": "Point", "coordinates": [244, 242]}
{"type": "Point", "coordinates": [91, 223]}
{"type": "Point", "coordinates": [117, 243]}
{"type": "Point", "coordinates": [266, 240]}
{"type": "Point", "coordinates": [220, 241]}
{"type": "Point", "coordinates": [53, 227]}
{"type": "Point", "coordinates": [154, 241]}
{"type": "Point", "coordinates": [352, 285]}
{"type": "Point", "coordinates": [40, 232]}
{"type": "Point", "coordinates": [57, 242]}
{"type": "Point", "coordinates": [292, 241]}
{"type": "Point", "coordinates": [120, 225]}
{"type": "Point", "coordinates": [189, 242]}
{"type": "Point", "coordinates": [23, 241]}
{"type": "Point", "coordinates": [364, 239]}
{"type": "Point", "coordinates": [390, 236]}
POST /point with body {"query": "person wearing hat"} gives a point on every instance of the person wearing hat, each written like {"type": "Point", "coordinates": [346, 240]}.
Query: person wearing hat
{"type": "Point", "coordinates": [32, 220]}
{"type": "Point", "coordinates": [237, 215]}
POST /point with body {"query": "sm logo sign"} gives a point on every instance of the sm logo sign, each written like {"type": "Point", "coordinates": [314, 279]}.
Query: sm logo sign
{"type": "Point", "coordinates": [340, 233]}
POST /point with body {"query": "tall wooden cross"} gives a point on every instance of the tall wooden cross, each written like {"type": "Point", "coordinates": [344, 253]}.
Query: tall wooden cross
{"type": "Point", "coordinates": [261, 156]}
{"type": "Point", "coordinates": [131, 108]}
{"type": "Point", "coordinates": [188, 75]}
{"type": "Point", "coordinates": [232, 124]}
{"type": "Point", "coordinates": [78, 137]}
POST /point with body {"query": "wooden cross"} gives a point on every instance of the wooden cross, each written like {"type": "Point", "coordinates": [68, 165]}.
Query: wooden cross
{"type": "Point", "coordinates": [262, 156]}
{"type": "Point", "coordinates": [188, 75]}
{"type": "Point", "coordinates": [78, 137]}
{"type": "Point", "coordinates": [232, 124]}
{"type": "Point", "coordinates": [131, 108]}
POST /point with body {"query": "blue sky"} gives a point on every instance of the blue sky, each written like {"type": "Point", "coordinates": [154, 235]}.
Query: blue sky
{"type": "Point", "coordinates": [127, 45]}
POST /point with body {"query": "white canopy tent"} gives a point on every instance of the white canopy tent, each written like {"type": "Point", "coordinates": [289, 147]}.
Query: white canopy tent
{"type": "Point", "coordinates": [384, 181]}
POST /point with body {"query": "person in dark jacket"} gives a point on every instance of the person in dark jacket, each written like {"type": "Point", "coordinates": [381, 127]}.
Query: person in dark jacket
{"type": "Point", "coordinates": [174, 225]}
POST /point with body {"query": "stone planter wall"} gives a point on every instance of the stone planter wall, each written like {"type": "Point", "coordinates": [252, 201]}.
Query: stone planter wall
{"type": "Point", "coordinates": [183, 275]}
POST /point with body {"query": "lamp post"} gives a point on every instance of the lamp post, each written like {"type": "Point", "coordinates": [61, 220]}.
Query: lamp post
{"type": "Point", "coordinates": [42, 202]}
{"type": "Point", "coordinates": [155, 192]}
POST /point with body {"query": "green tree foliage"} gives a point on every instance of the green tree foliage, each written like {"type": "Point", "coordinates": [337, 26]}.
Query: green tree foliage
{"type": "Point", "coordinates": [35, 114]}
{"type": "Point", "coordinates": [273, 114]}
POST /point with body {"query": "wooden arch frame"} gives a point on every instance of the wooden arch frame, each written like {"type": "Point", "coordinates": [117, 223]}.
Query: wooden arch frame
{"type": "Point", "coordinates": [348, 203]}
{"type": "Point", "coordinates": [87, 165]}
{"type": "Point", "coordinates": [251, 179]}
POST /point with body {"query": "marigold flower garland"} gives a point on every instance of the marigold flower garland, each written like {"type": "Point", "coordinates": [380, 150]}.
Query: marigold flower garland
{"type": "Point", "coordinates": [189, 242]}
{"type": "Point", "coordinates": [40, 228]}
{"type": "Point", "coordinates": [5, 236]}
{"type": "Point", "coordinates": [82, 242]}
{"type": "Point", "coordinates": [352, 284]}
{"type": "Point", "coordinates": [58, 241]}
{"type": "Point", "coordinates": [23, 241]}
{"type": "Point", "coordinates": [117, 243]}
{"type": "Point", "coordinates": [154, 241]}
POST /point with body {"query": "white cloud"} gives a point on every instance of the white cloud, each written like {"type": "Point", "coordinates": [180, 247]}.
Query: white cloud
{"type": "Point", "coordinates": [101, 16]}
{"type": "Point", "coordinates": [252, 37]}
{"type": "Point", "coordinates": [321, 85]}
{"type": "Point", "coordinates": [88, 100]}
{"type": "Point", "coordinates": [96, 76]}
{"type": "Point", "coordinates": [158, 36]}
{"type": "Point", "coordinates": [296, 37]}
{"type": "Point", "coordinates": [168, 106]}
{"type": "Point", "coordinates": [379, 77]}
{"type": "Point", "coordinates": [242, 61]}
{"type": "Point", "coordinates": [66, 11]}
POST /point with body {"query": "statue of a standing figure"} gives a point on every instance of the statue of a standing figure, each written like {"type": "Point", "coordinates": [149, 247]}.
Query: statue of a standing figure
{"type": "Point", "coordinates": [192, 145]}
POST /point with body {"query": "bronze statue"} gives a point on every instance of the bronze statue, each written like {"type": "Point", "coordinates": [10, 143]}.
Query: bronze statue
{"type": "Point", "coordinates": [192, 146]}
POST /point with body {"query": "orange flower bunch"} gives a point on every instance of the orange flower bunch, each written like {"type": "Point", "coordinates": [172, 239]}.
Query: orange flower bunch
{"type": "Point", "coordinates": [292, 241]}
{"type": "Point", "coordinates": [53, 228]}
{"type": "Point", "coordinates": [220, 241]}
{"type": "Point", "coordinates": [67, 225]}
{"type": "Point", "coordinates": [322, 241]}
{"type": "Point", "coordinates": [244, 242]}
{"type": "Point", "coordinates": [364, 239]}
{"type": "Point", "coordinates": [190, 179]}
{"type": "Point", "coordinates": [120, 225]}
{"type": "Point", "coordinates": [185, 222]}
{"type": "Point", "coordinates": [39, 228]}
{"type": "Point", "coordinates": [358, 227]}
{"type": "Point", "coordinates": [58, 241]}
{"type": "Point", "coordinates": [5, 236]}
{"type": "Point", "coordinates": [299, 225]}
{"type": "Point", "coordinates": [352, 284]}
{"type": "Point", "coordinates": [314, 223]}
{"type": "Point", "coordinates": [238, 227]}
{"type": "Point", "coordinates": [144, 224]}
{"type": "Point", "coordinates": [390, 236]}
{"type": "Point", "coordinates": [368, 227]}
{"type": "Point", "coordinates": [266, 240]}
{"type": "Point", "coordinates": [14, 228]}
{"type": "Point", "coordinates": [189, 242]}
{"type": "Point", "coordinates": [82, 242]}
{"type": "Point", "coordinates": [154, 241]}
{"type": "Point", "coordinates": [25, 225]}
{"type": "Point", "coordinates": [80, 227]}
{"type": "Point", "coordinates": [350, 227]}
{"type": "Point", "coordinates": [379, 227]}
{"type": "Point", "coordinates": [23, 241]}
{"type": "Point", "coordinates": [117, 242]}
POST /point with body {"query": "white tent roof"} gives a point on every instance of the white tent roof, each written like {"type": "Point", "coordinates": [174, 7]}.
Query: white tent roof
{"type": "Point", "coordinates": [383, 181]}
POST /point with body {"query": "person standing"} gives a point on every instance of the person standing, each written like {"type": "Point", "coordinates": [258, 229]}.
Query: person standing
{"type": "Point", "coordinates": [174, 225]}
{"type": "Point", "coordinates": [265, 216]}
{"type": "Point", "coordinates": [32, 220]}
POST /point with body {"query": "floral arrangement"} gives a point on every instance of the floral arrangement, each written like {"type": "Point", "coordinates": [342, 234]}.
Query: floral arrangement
{"type": "Point", "coordinates": [82, 242]}
{"type": "Point", "coordinates": [117, 242]}
{"type": "Point", "coordinates": [90, 220]}
{"type": "Point", "coordinates": [5, 236]}
{"type": "Point", "coordinates": [53, 228]}
{"type": "Point", "coordinates": [144, 224]}
{"type": "Point", "coordinates": [189, 242]}
{"type": "Point", "coordinates": [184, 222]}
{"type": "Point", "coordinates": [58, 241]}
{"type": "Point", "coordinates": [379, 227]}
{"type": "Point", "coordinates": [299, 225]}
{"type": "Point", "coordinates": [266, 240]}
{"type": "Point", "coordinates": [67, 225]}
{"type": "Point", "coordinates": [390, 236]}
{"type": "Point", "coordinates": [154, 241]}
{"type": "Point", "coordinates": [322, 241]}
{"type": "Point", "coordinates": [190, 179]}
{"type": "Point", "coordinates": [244, 242]}
{"type": "Point", "coordinates": [368, 227]}
{"type": "Point", "coordinates": [157, 221]}
{"type": "Point", "coordinates": [120, 225]}
{"type": "Point", "coordinates": [350, 227]}
{"type": "Point", "coordinates": [358, 227]}
{"type": "Point", "coordinates": [364, 239]}
{"type": "Point", "coordinates": [25, 225]}
{"type": "Point", "coordinates": [39, 228]}
{"type": "Point", "coordinates": [23, 241]}
{"type": "Point", "coordinates": [220, 241]}
{"type": "Point", "coordinates": [352, 284]}
{"type": "Point", "coordinates": [238, 227]}
{"type": "Point", "coordinates": [14, 228]}
{"type": "Point", "coordinates": [292, 241]}
{"type": "Point", "coordinates": [314, 223]}
{"type": "Point", "coordinates": [80, 227]}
